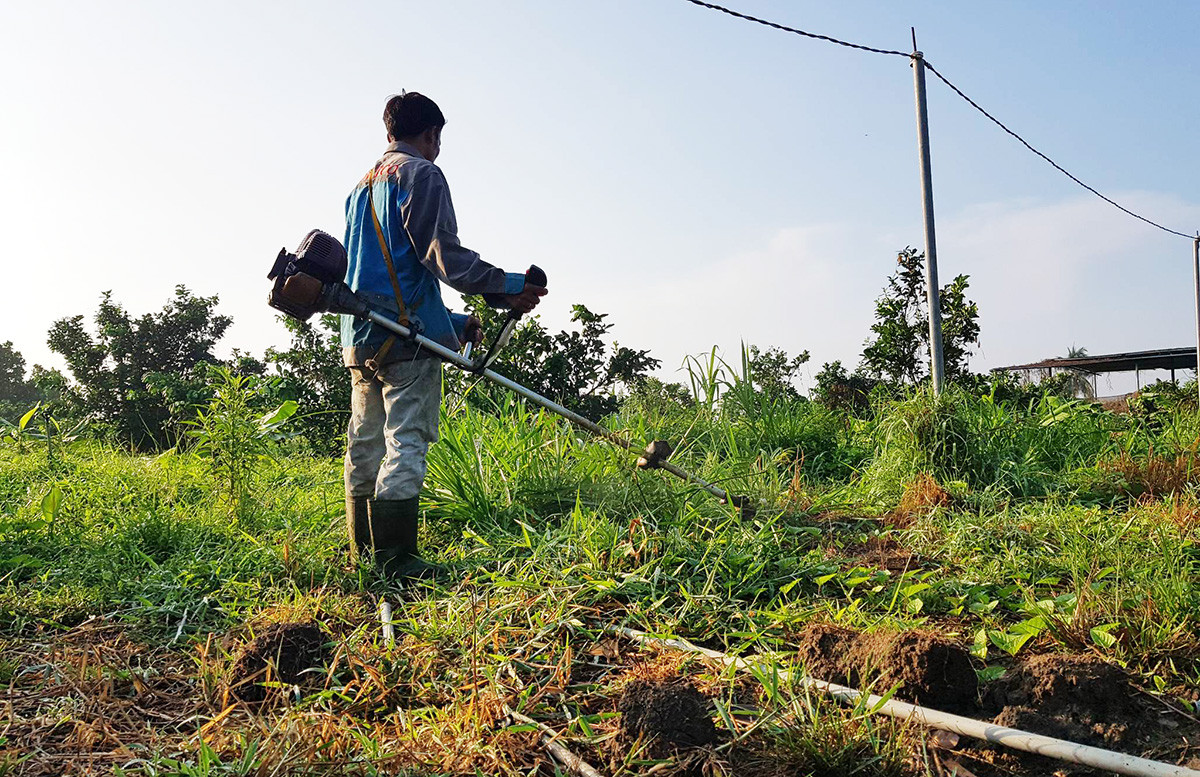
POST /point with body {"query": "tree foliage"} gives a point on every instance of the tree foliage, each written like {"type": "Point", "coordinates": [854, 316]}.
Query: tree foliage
{"type": "Point", "coordinates": [131, 373]}
{"type": "Point", "coordinates": [311, 372]}
{"type": "Point", "coordinates": [1078, 380]}
{"type": "Point", "coordinates": [576, 368]}
{"type": "Point", "coordinates": [17, 394]}
{"type": "Point", "coordinates": [898, 351]}
{"type": "Point", "coordinates": [840, 390]}
{"type": "Point", "coordinates": [774, 372]}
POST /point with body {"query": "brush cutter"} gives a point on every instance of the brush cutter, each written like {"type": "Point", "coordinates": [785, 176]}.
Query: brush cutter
{"type": "Point", "coordinates": [311, 281]}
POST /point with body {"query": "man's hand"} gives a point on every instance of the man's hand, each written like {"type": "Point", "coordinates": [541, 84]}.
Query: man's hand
{"type": "Point", "coordinates": [527, 300]}
{"type": "Point", "coordinates": [473, 331]}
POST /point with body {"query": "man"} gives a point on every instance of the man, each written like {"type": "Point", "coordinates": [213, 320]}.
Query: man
{"type": "Point", "coordinates": [402, 242]}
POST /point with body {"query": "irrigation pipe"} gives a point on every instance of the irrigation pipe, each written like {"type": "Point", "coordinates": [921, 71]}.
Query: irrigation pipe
{"type": "Point", "coordinates": [989, 732]}
{"type": "Point", "coordinates": [385, 620]}
{"type": "Point", "coordinates": [560, 752]}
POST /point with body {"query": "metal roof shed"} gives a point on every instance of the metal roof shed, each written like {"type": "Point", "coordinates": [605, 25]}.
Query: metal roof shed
{"type": "Point", "coordinates": [1132, 361]}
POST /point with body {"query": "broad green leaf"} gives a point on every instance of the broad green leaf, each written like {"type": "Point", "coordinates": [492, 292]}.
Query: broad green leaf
{"type": "Point", "coordinates": [51, 503]}
{"type": "Point", "coordinates": [1101, 635]}
{"type": "Point", "coordinates": [19, 561]}
{"type": "Point", "coordinates": [280, 414]}
{"type": "Point", "coordinates": [979, 608]}
{"type": "Point", "coordinates": [25, 419]}
{"type": "Point", "coordinates": [1010, 642]}
{"type": "Point", "coordinates": [1066, 602]}
{"type": "Point", "coordinates": [979, 648]}
{"type": "Point", "coordinates": [1034, 625]}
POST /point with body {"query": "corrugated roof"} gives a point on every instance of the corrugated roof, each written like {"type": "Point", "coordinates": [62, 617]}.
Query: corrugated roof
{"type": "Point", "coordinates": [1162, 359]}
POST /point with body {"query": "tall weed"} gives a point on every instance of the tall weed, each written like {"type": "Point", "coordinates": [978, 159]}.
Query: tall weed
{"type": "Point", "coordinates": [954, 436]}
{"type": "Point", "coordinates": [234, 434]}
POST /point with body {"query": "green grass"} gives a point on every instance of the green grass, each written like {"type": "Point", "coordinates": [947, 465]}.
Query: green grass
{"type": "Point", "coordinates": [551, 535]}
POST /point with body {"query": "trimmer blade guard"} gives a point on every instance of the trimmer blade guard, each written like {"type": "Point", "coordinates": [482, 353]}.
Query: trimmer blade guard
{"type": "Point", "coordinates": [655, 454]}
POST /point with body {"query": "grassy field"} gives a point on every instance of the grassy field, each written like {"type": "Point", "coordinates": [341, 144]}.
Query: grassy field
{"type": "Point", "coordinates": [133, 588]}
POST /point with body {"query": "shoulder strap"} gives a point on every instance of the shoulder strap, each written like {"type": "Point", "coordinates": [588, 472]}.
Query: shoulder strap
{"type": "Point", "coordinates": [374, 362]}
{"type": "Point", "coordinates": [383, 246]}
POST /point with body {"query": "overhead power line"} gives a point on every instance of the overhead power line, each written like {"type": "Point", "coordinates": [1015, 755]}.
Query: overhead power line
{"type": "Point", "coordinates": [1052, 163]}
{"type": "Point", "coordinates": [955, 89]}
{"type": "Point", "coordinates": [815, 36]}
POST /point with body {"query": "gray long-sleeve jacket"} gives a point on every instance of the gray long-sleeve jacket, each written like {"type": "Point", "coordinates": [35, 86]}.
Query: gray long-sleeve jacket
{"type": "Point", "coordinates": [416, 215]}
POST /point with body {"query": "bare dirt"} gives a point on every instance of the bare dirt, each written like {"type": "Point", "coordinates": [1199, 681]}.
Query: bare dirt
{"type": "Point", "coordinates": [1076, 697]}
{"type": "Point", "coordinates": [931, 670]}
{"type": "Point", "coordinates": [280, 653]}
{"type": "Point", "coordinates": [665, 714]}
{"type": "Point", "coordinates": [885, 553]}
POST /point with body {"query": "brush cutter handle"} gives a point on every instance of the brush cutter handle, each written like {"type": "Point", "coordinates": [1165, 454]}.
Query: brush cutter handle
{"type": "Point", "coordinates": [534, 276]}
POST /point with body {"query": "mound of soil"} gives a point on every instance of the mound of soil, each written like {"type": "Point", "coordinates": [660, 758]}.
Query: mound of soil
{"type": "Point", "coordinates": [1076, 697]}
{"type": "Point", "coordinates": [278, 654]}
{"type": "Point", "coordinates": [933, 671]}
{"type": "Point", "coordinates": [667, 714]}
{"type": "Point", "coordinates": [828, 651]}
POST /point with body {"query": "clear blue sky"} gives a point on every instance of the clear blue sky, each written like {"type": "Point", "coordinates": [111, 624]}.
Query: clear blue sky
{"type": "Point", "coordinates": [702, 179]}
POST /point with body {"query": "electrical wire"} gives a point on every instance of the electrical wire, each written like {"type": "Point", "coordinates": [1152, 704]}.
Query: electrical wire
{"type": "Point", "coordinates": [756, 20]}
{"type": "Point", "coordinates": [1051, 162]}
{"type": "Point", "coordinates": [956, 90]}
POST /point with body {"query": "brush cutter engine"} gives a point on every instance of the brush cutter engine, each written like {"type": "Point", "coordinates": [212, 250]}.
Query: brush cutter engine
{"type": "Point", "coordinates": [303, 280]}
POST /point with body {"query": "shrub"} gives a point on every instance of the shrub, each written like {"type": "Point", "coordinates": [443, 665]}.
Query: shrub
{"type": "Point", "coordinates": [234, 434]}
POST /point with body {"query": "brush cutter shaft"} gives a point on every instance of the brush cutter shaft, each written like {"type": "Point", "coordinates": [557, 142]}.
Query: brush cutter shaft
{"type": "Point", "coordinates": [463, 363]}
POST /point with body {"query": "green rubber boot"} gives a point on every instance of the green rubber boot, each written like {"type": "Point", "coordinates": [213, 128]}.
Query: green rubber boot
{"type": "Point", "coordinates": [358, 526]}
{"type": "Point", "coordinates": [394, 536]}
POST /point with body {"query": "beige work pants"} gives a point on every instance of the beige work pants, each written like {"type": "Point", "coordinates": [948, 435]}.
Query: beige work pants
{"type": "Point", "coordinates": [393, 421]}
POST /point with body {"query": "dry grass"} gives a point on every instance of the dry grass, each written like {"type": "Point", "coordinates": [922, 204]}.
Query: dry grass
{"type": "Point", "coordinates": [797, 497]}
{"type": "Point", "coordinates": [921, 496]}
{"type": "Point", "coordinates": [93, 698]}
{"type": "Point", "coordinates": [1180, 509]}
{"type": "Point", "coordinates": [1153, 476]}
{"type": "Point", "coordinates": [469, 736]}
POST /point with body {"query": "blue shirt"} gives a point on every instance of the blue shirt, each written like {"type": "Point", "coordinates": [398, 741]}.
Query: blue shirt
{"type": "Point", "coordinates": [412, 201]}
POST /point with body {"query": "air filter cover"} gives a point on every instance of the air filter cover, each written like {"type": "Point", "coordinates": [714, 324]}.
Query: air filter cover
{"type": "Point", "coordinates": [321, 256]}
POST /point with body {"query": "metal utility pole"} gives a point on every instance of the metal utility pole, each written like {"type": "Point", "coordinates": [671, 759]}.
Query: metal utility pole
{"type": "Point", "coordinates": [936, 365]}
{"type": "Point", "coordinates": [1196, 276]}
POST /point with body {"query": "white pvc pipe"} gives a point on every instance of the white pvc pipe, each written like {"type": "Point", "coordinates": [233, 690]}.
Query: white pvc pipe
{"type": "Point", "coordinates": [561, 753]}
{"type": "Point", "coordinates": [385, 619]}
{"type": "Point", "coordinates": [1008, 737]}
